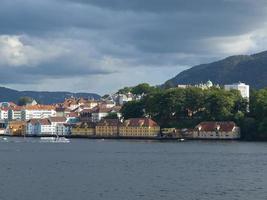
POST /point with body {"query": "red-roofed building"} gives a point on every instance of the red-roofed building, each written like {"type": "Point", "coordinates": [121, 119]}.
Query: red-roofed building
{"type": "Point", "coordinates": [217, 130]}
{"type": "Point", "coordinates": [139, 127]}
{"type": "Point", "coordinates": [107, 127]}
{"type": "Point", "coordinates": [47, 126]}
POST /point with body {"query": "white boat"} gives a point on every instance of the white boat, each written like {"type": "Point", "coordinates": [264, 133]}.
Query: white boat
{"type": "Point", "coordinates": [181, 140]}
{"type": "Point", "coordinates": [55, 139]}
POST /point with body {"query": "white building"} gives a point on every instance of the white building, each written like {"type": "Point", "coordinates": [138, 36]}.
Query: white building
{"type": "Point", "coordinates": [32, 127]}
{"type": "Point", "coordinates": [37, 112]}
{"type": "Point", "coordinates": [242, 87]}
{"type": "Point", "coordinates": [3, 113]}
{"type": "Point", "coordinates": [101, 112]}
{"type": "Point", "coordinates": [14, 113]}
{"type": "Point", "coordinates": [47, 126]}
{"type": "Point", "coordinates": [58, 125]}
{"type": "Point", "coordinates": [217, 130]}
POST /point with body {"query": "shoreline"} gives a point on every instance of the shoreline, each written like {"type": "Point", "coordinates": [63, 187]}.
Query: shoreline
{"type": "Point", "coordinates": [124, 138]}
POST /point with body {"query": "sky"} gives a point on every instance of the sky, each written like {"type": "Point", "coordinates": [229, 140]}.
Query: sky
{"type": "Point", "coordinates": [103, 45]}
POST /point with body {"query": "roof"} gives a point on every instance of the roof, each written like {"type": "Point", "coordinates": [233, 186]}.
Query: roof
{"type": "Point", "coordinates": [4, 109]}
{"type": "Point", "coordinates": [213, 126]}
{"type": "Point", "coordinates": [140, 122]}
{"type": "Point", "coordinates": [57, 119]}
{"type": "Point", "coordinates": [44, 121]}
{"type": "Point", "coordinates": [17, 108]}
{"type": "Point", "coordinates": [103, 109]}
{"type": "Point", "coordinates": [39, 107]}
{"type": "Point", "coordinates": [33, 121]}
{"type": "Point", "coordinates": [85, 125]}
{"type": "Point", "coordinates": [109, 122]}
{"type": "Point", "coordinates": [16, 123]}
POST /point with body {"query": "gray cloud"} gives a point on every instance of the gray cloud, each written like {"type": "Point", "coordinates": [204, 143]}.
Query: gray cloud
{"type": "Point", "coordinates": [53, 40]}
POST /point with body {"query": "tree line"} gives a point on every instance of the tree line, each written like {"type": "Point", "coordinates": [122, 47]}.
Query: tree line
{"type": "Point", "coordinates": [186, 107]}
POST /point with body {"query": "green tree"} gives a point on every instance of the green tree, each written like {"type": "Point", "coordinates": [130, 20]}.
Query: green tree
{"type": "Point", "coordinates": [112, 115]}
{"type": "Point", "coordinates": [24, 101]}
{"type": "Point", "coordinates": [143, 88]}
{"type": "Point", "coordinates": [124, 90]}
{"type": "Point", "coordinates": [133, 109]}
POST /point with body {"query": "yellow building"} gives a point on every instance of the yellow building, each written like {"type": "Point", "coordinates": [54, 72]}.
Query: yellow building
{"type": "Point", "coordinates": [17, 128]}
{"type": "Point", "coordinates": [139, 127]}
{"type": "Point", "coordinates": [107, 127]}
{"type": "Point", "coordinates": [83, 129]}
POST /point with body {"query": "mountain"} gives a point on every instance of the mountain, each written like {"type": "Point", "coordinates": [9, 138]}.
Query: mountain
{"type": "Point", "coordinates": [250, 69]}
{"type": "Point", "coordinates": [7, 94]}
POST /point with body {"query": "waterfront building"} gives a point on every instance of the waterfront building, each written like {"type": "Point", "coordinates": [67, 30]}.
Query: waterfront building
{"type": "Point", "coordinates": [242, 87]}
{"type": "Point", "coordinates": [32, 127]}
{"type": "Point", "coordinates": [83, 129]}
{"type": "Point", "coordinates": [4, 113]}
{"type": "Point", "coordinates": [216, 130]}
{"type": "Point", "coordinates": [3, 125]}
{"type": "Point", "coordinates": [16, 128]}
{"type": "Point", "coordinates": [107, 128]}
{"type": "Point", "coordinates": [45, 127]}
{"type": "Point", "coordinates": [48, 126]}
{"type": "Point", "coordinates": [58, 125]}
{"type": "Point", "coordinates": [139, 127]}
{"type": "Point", "coordinates": [37, 112]}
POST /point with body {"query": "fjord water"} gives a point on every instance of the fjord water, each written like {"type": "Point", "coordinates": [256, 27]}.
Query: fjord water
{"type": "Point", "coordinates": [128, 170]}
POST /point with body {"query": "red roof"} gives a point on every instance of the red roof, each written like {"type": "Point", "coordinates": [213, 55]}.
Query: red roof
{"type": "Point", "coordinates": [137, 122]}
{"type": "Point", "coordinates": [103, 109]}
{"type": "Point", "coordinates": [108, 122]}
{"type": "Point", "coordinates": [57, 119]}
{"type": "Point", "coordinates": [44, 122]}
{"type": "Point", "coordinates": [213, 126]}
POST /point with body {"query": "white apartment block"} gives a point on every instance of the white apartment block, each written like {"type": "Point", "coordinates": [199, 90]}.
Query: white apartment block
{"type": "Point", "coordinates": [14, 114]}
{"type": "Point", "coordinates": [242, 87]}
{"type": "Point", "coordinates": [37, 112]}
{"type": "Point", "coordinates": [3, 113]}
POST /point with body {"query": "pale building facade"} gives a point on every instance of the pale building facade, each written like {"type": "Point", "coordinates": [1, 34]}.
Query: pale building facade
{"type": "Point", "coordinates": [139, 127]}
{"type": "Point", "coordinates": [216, 130]}
{"type": "Point", "coordinates": [242, 87]}
{"type": "Point", "coordinates": [37, 112]}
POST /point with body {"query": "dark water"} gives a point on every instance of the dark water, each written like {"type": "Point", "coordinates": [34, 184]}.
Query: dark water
{"type": "Point", "coordinates": [122, 170]}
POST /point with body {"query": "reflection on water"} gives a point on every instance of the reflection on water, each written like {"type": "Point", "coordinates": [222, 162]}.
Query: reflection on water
{"type": "Point", "coordinates": [112, 169]}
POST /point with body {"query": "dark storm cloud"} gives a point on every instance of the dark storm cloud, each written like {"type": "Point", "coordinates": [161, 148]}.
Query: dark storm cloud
{"type": "Point", "coordinates": [106, 36]}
